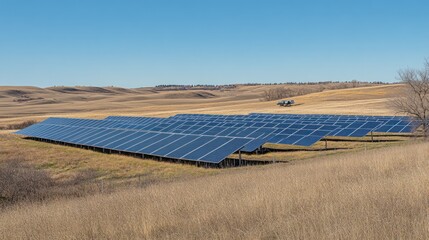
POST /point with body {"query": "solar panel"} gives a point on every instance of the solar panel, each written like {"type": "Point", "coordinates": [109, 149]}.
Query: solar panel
{"type": "Point", "coordinates": [220, 153]}
{"type": "Point", "coordinates": [210, 138]}
{"type": "Point", "coordinates": [196, 148]}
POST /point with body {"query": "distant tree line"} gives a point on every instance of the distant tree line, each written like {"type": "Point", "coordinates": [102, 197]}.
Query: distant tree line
{"type": "Point", "coordinates": [298, 89]}
{"type": "Point", "coordinates": [195, 87]}
{"type": "Point", "coordinates": [16, 126]}
{"type": "Point", "coordinates": [355, 82]}
{"type": "Point", "coordinates": [230, 86]}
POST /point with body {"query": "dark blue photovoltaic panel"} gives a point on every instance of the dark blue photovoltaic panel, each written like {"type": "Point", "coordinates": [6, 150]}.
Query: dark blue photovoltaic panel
{"type": "Point", "coordinates": [58, 133]}
{"type": "Point", "coordinates": [329, 128]}
{"type": "Point", "coordinates": [308, 140]}
{"type": "Point", "coordinates": [52, 133]}
{"type": "Point", "coordinates": [384, 128]}
{"type": "Point", "coordinates": [289, 140]}
{"type": "Point", "coordinates": [129, 142]}
{"type": "Point", "coordinates": [163, 151]}
{"type": "Point", "coordinates": [185, 149]}
{"type": "Point", "coordinates": [361, 132]}
{"type": "Point", "coordinates": [141, 145]}
{"type": "Point", "coordinates": [83, 133]}
{"type": "Point", "coordinates": [221, 153]}
{"type": "Point", "coordinates": [198, 132]}
{"type": "Point", "coordinates": [254, 144]}
{"type": "Point", "coordinates": [45, 131]}
{"type": "Point", "coordinates": [156, 145]}
{"type": "Point", "coordinates": [209, 146]}
{"type": "Point", "coordinates": [227, 132]}
{"type": "Point", "coordinates": [247, 131]}
{"type": "Point", "coordinates": [288, 131]}
{"type": "Point", "coordinates": [210, 138]}
{"type": "Point", "coordinates": [312, 127]}
{"type": "Point", "coordinates": [408, 129]}
{"type": "Point", "coordinates": [121, 141]}
{"type": "Point", "coordinates": [139, 142]}
{"type": "Point", "coordinates": [108, 140]}
{"type": "Point", "coordinates": [261, 132]}
{"type": "Point", "coordinates": [398, 127]}
{"type": "Point", "coordinates": [277, 138]}
{"type": "Point", "coordinates": [321, 133]}
{"type": "Point", "coordinates": [343, 132]}
{"type": "Point", "coordinates": [371, 125]}
{"type": "Point", "coordinates": [304, 132]}
{"type": "Point", "coordinates": [92, 141]}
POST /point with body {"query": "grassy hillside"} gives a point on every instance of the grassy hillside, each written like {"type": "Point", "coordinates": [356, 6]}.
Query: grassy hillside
{"type": "Point", "coordinates": [352, 190]}
{"type": "Point", "coordinates": [18, 104]}
{"type": "Point", "coordinates": [64, 162]}
{"type": "Point", "coordinates": [374, 194]}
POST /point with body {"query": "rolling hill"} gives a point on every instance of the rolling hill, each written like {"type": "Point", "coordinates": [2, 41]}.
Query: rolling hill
{"type": "Point", "coordinates": [25, 103]}
{"type": "Point", "coordinates": [352, 190]}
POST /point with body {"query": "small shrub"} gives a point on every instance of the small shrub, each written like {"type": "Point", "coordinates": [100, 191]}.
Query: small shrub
{"type": "Point", "coordinates": [16, 126]}
{"type": "Point", "coordinates": [19, 181]}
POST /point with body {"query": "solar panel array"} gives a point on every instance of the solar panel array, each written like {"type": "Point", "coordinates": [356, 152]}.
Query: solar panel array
{"type": "Point", "coordinates": [210, 138]}
{"type": "Point", "coordinates": [110, 135]}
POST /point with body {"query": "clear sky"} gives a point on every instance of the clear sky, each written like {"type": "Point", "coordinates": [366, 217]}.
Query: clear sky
{"type": "Point", "coordinates": [134, 43]}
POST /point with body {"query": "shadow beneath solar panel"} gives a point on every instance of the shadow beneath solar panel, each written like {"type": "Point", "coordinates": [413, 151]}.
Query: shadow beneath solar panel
{"type": "Point", "coordinates": [397, 135]}
{"type": "Point", "coordinates": [365, 140]}
{"type": "Point", "coordinates": [226, 163]}
{"type": "Point", "coordinates": [268, 150]}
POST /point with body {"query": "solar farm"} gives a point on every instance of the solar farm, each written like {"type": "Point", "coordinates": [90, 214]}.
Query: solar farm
{"type": "Point", "coordinates": [209, 140]}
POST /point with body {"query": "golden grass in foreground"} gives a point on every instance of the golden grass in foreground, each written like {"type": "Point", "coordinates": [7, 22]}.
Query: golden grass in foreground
{"type": "Point", "coordinates": [281, 152]}
{"type": "Point", "coordinates": [377, 194]}
{"type": "Point", "coordinates": [64, 162]}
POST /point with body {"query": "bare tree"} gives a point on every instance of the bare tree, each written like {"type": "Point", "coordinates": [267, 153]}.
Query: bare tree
{"type": "Point", "coordinates": [278, 93]}
{"type": "Point", "coordinates": [415, 99]}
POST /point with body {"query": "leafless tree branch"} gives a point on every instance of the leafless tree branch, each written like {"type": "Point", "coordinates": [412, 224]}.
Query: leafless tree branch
{"type": "Point", "coordinates": [415, 99]}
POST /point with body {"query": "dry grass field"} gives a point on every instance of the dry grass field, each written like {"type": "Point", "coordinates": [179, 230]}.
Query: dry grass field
{"type": "Point", "coordinates": [375, 194]}
{"type": "Point", "coordinates": [18, 104]}
{"type": "Point", "coordinates": [354, 189]}
{"type": "Point", "coordinates": [64, 163]}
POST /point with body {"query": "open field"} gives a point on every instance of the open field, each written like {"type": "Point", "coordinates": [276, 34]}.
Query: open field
{"type": "Point", "coordinates": [64, 163]}
{"type": "Point", "coordinates": [287, 153]}
{"type": "Point", "coordinates": [354, 189]}
{"type": "Point", "coordinates": [102, 102]}
{"type": "Point", "coordinates": [375, 194]}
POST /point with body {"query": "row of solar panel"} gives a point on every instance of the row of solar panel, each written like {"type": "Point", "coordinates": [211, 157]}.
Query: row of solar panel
{"type": "Point", "coordinates": [263, 115]}
{"type": "Point", "coordinates": [162, 137]}
{"type": "Point", "coordinates": [177, 146]}
{"type": "Point", "coordinates": [304, 135]}
{"type": "Point", "coordinates": [387, 125]}
{"type": "Point", "coordinates": [353, 129]}
{"type": "Point", "coordinates": [315, 116]}
{"type": "Point", "coordinates": [356, 129]}
{"type": "Point", "coordinates": [290, 117]}
{"type": "Point", "coordinates": [202, 128]}
{"type": "Point", "coordinates": [277, 116]}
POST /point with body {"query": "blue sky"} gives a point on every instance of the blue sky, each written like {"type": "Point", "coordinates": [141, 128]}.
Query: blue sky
{"type": "Point", "coordinates": [134, 43]}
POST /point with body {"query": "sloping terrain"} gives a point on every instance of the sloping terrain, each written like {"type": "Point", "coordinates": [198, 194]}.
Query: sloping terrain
{"type": "Point", "coordinates": [24, 103]}
{"type": "Point", "coordinates": [377, 194]}
{"type": "Point", "coordinates": [347, 191]}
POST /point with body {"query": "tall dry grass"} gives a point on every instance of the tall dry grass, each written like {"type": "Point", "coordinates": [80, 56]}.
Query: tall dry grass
{"type": "Point", "coordinates": [378, 194]}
